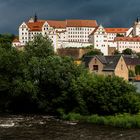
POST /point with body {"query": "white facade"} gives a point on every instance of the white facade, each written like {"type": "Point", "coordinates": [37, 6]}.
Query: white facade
{"type": "Point", "coordinates": [99, 39]}
{"type": "Point", "coordinates": [60, 32]}
{"type": "Point", "coordinates": [128, 42]}
{"type": "Point", "coordinates": [136, 28]}
{"type": "Point", "coordinates": [66, 44]}
{"type": "Point", "coordinates": [108, 37]}
{"type": "Point", "coordinates": [80, 33]}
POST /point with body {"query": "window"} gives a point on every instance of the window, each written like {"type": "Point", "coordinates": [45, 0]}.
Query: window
{"type": "Point", "coordinates": [95, 67]}
{"type": "Point", "coordinates": [95, 61]}
{"type": "Point", "coordinates": [121, 67]}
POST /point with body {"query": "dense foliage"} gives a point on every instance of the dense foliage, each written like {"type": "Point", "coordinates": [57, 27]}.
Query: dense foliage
{"type": "Point", "coordinates": [128, 51]}
{"type": "Point", "coordinates": [6, 40]}
{"type": "Point", "coordinates": [93, 52]}
{"type": "Point", "coordinates": [137, 70]}
{"type": "Point", "coordinates": [37, 80]}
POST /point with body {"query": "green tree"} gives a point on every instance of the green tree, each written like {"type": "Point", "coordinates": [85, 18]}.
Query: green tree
{"type": "Point", "coordinates": [93, 52]}
{"type": "Point", "coordinates": [40, 47]}
{"type": "Point", "coordinates": [137, 70]}
{"type": "Point", "coordinates": [128, 51]}
{"type": "Point", "coordinates": [116, 52]}
{"type": "Point", "coordinates": [106, 95]}
{"type": "Point", "coordinates": [6, 40]}
{"type": "Point", "coordinates": [53, 76]}
{"type": "Point", "coordinates": [37, 80]}
{"type": "Point", "coordinates": [131, 73]}
{"type": "Point", "coordinates": [138, 54]}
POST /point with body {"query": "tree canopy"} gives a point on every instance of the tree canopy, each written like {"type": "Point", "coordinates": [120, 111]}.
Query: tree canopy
{"type": "Point", "coordinates": [37, 80]}
{"type": "Point", "coordinates": [93, 52]}
{"type": "Point", "coordinates": [128, 51]}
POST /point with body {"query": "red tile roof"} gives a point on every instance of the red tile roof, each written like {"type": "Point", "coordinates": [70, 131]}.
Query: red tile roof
{"type": "Point", "coordinates": [136, 39]}
{"type": "Point", "coordinates": [61, 31]}
{"type": "Point", "coordinates": [81, 23]}
{"type": "Point", "coordinates": [57, 24]}
{"type": "Point", "coordinates": [35, 26]}
{"type": "Point", "coordinates": [72, 23]}
{"type": "Point", "coordinates": [116, 30]}
{"type": "Point", "coordinates": [94, 30]}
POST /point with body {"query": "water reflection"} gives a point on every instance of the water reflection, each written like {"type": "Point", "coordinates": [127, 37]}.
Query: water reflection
{"type": "Point", "coordinates": [46, 128]}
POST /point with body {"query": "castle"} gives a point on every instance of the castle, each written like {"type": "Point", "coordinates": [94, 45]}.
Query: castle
{"type": "Point", "coordinates": [80, 33]}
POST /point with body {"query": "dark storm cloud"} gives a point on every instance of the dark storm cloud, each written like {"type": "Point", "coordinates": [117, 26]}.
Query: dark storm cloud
{"type": "Point", "coordinates": [114, 13]}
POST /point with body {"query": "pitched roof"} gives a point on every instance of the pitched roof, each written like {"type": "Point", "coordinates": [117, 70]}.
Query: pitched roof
{"type": "Point", "coordinates": [57, 24]}
{"type": "Point", "coordinates": [94, 30]}
{"type": "Point", "coordinates": [87, 60]}
{"type": "Point", "coordinates": [110, 62]}
{"type": "Point", "coordinates": [116, 30]}
{"type": "Point", "coordinates": [61, 31]}
{"type": "Point", "coordinates": [135, 39]}
{"type": "Point", "coordinates": [101, 58]}
{"type": "Point", "coordinates": [35, 26]}
{"type": "Point", "coordinates": [130, 60]}
{"type": "Point", "coordinates": [81, 23]}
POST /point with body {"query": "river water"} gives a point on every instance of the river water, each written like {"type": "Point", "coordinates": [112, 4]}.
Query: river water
{"type": "Point", "coordinates": [46, 128]}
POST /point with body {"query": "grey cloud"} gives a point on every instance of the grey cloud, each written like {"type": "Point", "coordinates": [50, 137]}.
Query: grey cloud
{"type": "Point", "coordinates": [110, 13]}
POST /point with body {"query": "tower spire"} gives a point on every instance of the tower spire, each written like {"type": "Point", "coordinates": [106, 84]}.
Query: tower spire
{"type": "Point", "coordinates": [35, 18]}
{"type": "Point", "coordinates": [137, 19]}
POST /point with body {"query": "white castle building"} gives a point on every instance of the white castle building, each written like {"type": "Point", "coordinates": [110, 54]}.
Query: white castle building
{"type": "Point", "coordinates": [118, 38]}
{"type": "Point", "coordinates": [67, 33]}
{"type": "Point", "coordinates": [80, 33]}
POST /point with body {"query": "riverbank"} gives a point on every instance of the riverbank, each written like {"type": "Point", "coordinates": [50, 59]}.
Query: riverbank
{"type": "Point", "coordinates": [40, 127]}
{"type": "Point", "coordinates": [121, 120]}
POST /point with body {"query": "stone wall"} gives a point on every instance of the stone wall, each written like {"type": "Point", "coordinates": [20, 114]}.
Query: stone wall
{"type": "Point", "coordinates": [75, 53]}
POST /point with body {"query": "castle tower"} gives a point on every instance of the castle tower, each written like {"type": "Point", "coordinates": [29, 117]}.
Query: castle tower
{"type": "Point", "coordinates": [136, 27]}
{"type": "Point", "coordinates": [35, 18]}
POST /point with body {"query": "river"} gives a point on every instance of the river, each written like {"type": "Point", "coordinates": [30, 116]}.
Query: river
{"type": "Point", "coordinates": [46, 128]}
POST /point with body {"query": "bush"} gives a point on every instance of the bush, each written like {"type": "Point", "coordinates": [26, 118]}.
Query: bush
{"type": "Point", "coordinates": [137, 70]}
{"type": "Point", "coordinates": [121, 120]}
{"type": "Point", "coordinates": [37, 80]}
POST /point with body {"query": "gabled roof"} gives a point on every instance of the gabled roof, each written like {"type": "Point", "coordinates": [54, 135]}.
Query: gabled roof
{"type": "Point", "coordinates": [87, 60]}
{"type": "Point", "coordinates": [94, 30]}
{"type": "Point", "coordinates": [134, 39]}
{"type": "Point", "coordinates": [81, 23]}
{"type": "Point", "coordinates": [112, 62]}
{"type": "Point", "coordinates": [116, 30]}
{"type": "Point", "coordinates": [56, 23]}
{"type": "Point", "coordinates": [101, 58]}
{"type": "Point", "coordinates": [109, 62]}
{"type": "Point", "coordinates": [35, 26]}
{"type": "Point", "coordinates": [130, 60]}
{"type": "Point", "coordinates": [61, 31]}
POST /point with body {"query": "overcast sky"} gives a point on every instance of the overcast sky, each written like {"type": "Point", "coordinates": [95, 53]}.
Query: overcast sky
{"type": "Point", "coordinates": [109, 13]}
